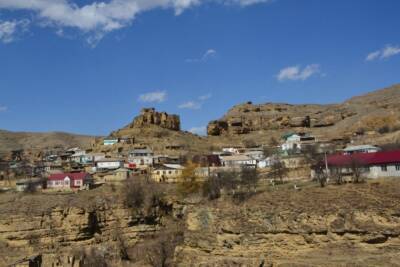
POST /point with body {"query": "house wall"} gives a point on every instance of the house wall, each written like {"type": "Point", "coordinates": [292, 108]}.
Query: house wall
{"type": "Point", "coordinates": [169, 176]}
{"type": "Point", "coordinates": [109, 165]}
{"type": "Point", "coordinates": [233, 163]}
{"type": "Point", "coordinates": [59, 183]}
{"type": "Point", "coordinates": [110, 142]}
{"type": "Point", "coordinates": [378, 172]}
{"type": "Point", "coordinates": [142, 160]}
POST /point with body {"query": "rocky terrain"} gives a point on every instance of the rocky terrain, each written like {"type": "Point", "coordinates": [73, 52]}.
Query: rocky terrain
{"type": "Point", "coordinates": [374, 118]}
{"type": "Point", "coordinates": [159, 131]}
{"type": "Point", "coordinates": [370, 112]}
{"type": "Point", "coordinates": [25, 140]}
{"type": "Point", "coordinates": [347, 225]}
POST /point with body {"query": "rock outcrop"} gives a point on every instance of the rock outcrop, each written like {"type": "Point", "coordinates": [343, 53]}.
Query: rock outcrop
{"type": "Point", "coordinates": [336, 118]}
{"type": "Point", "coordinates": [149, 116]}
{"type": "Point", "coordinates": [346, 225]}
{"type": "Point", "coordinates": [311, 228]}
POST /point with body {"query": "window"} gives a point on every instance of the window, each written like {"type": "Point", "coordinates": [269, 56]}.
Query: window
{"type": "Point", "coordinates": [169, 172]}
{"type": "Point", "coordinates": [384, 168]}
{"type": "Point", "coordinates": [397, 167]}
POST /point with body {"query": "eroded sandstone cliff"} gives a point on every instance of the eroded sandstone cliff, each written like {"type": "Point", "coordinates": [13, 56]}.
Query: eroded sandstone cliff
{"type": "Point", "coordinates": [368, 112]}
{"type": "Point", "coordinates": [347, 225]}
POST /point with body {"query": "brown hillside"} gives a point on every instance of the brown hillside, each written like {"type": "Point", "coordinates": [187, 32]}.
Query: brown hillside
{"type": "Point", "coordinates": [377, 111]}
{"type": "Point", "coordinates": [26, 140]}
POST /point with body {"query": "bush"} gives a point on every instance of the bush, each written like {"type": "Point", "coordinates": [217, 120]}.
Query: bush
{"type": "Point", "coordinates": [231, 181]}
{"type": "Point", "coordinates": [159, 251]}
{"type": "Point", "coordinates": [134, 193]}
{"type": "Point", "coordinates": [212, 188]}
{"type": "Point", "coordinates": [144, 196]}
{"type": "Point", "coordinates": [384, 129]}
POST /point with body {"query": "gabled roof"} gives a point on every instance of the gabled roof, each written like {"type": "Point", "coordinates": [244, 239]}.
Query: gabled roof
{"type": "Point", "coordinates": [72, 176]}
{"type": "Point", "coordinates": [377, 158]}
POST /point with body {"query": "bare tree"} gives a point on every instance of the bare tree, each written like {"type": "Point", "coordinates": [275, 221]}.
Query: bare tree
{"type": "Point", "coordinates": [249, 178]}
{"type": "Point", "coordinates": [337, 175]}
{"type": "Point", "coordinates": [278, 170]}
{"type": "Point", "coordinates": [357, 169]}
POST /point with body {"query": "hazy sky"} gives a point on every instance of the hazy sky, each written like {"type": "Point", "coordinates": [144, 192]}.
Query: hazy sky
{"type": "Point", "coordinates": [89, 67]}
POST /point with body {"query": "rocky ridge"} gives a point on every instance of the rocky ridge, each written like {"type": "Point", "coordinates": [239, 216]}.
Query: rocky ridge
{"type": "Point", "coordinates": [149, 116]}
{"type": "Point", "coordinates": [371, 112]}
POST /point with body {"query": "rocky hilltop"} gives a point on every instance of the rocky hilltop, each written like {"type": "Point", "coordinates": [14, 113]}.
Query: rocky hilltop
{"type": "Point", "coordinates": [370, 112]}
{"type": "Point", "coordinates": [149, 116]}
{"type": "Point", "coordinates": [161, 132]}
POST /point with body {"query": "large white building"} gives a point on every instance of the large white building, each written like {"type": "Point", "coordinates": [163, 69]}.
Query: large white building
{"type": "Point", "coordinates": [371, 165]}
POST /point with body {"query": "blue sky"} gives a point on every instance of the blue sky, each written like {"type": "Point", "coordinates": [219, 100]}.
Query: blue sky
{"type": "Point", "coordinates": [88, 67]}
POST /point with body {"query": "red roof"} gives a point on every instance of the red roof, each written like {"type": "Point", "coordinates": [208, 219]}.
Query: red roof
{"type": "Point", "coordinates": [377, 158]}
{"type": "Point", "coordinates": [72, 176]}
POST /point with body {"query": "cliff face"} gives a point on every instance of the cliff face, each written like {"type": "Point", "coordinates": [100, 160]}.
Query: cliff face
{"type": "Point", "coordinates": [64, 229]}
{"type": "Point", "coordinates": [370, 112]}
{"type": "Point", "coordinates": [149, 116]}
{"type": "Point", "coordinates": [311, 228]}
{"type": "Point", "coordinates": [347, 225]}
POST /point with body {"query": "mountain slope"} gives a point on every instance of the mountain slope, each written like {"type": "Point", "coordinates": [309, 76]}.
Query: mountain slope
{"type": "Point", "coordinates": [27, 140]}
{"type": "Point", "coordinates": [375, 111]}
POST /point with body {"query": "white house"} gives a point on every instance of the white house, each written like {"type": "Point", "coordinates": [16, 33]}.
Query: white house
{"type": "Point", "coordinates": [255, 154]}
{"type": "Point", "coordinates": [109, 141]}
{"type": "Point", "coordinates": [141, 157]}
{"type": "Point", "coordinates": [371, 165]}
{"type": "Point", "coordinates": [233, 150]}
{"type": "Point", "coordinates": [61, 181]}
{"type": "Point", "coordinates": [296, 141]}
{"type": "Point", "coordinates": [238, 161]}
{"type": "Point", "coordinates": [94, 157]}
{"type": "Point", "coordinates": [109, 164]}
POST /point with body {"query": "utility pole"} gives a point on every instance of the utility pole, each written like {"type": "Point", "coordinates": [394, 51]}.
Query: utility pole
{"type": "Point", "coordinates": [326, 167]}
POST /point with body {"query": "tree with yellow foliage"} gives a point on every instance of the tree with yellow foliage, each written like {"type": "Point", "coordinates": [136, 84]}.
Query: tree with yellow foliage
{"type": "Point", "coordinates": [188, 182]}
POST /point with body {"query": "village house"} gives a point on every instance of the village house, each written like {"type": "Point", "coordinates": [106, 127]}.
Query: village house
{"type": "Point", "coordinates": [238, 161]}
{"type": "Point", "coordinates": [109, 164]}
{"type": "Point", "coordinates": [141, 157]}
{"type": "Point", "coordinates": [67, 181]}
{"type": "Point", "coordinates": [110, 141]}
{"type": "Point", "coordinates": [255, 153]}
{"type": "Point", "coordinates": [296, 142]}
{"type": "Point", "coordinates": [371, 165]}
{"type": "Point", "coordinates": [233, 150]}
{"type": "Point", "coordinates": [207, 160]}
{"type": "Point", "coordinates": [165, 159]}
{"type": "Point", "coordinates": [167, 173]}
{"type": "Point", "coordinates": [93, 157]}
{"type": "Point", "coordinates": [78, 156]}
{"type": "Point", "coordinates": [118, 175]}
{"type": "Point", "coordinates": [53, 167]}
{"type": "Point", "coordinates": [360, 149]}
